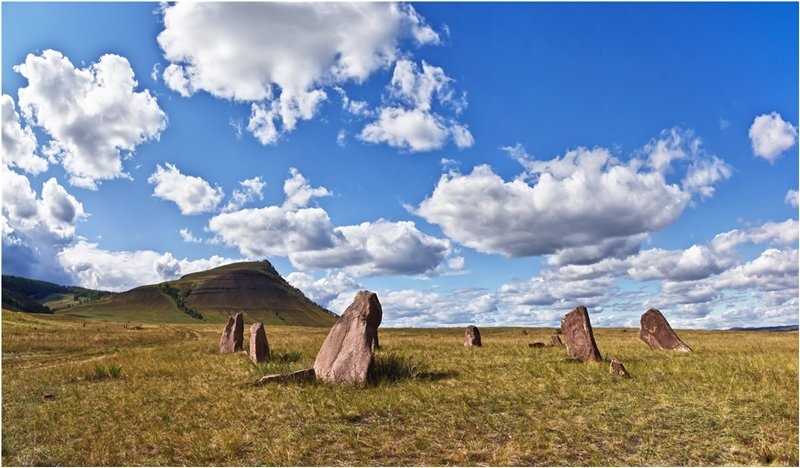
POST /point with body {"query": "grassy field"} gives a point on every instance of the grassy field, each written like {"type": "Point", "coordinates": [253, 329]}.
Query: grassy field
{"type": "Point", "coordinates": [104, 393]}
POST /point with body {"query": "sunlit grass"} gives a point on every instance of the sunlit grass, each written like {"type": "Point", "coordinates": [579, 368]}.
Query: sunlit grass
{"type": "Point", "coordinates": [431, 401]}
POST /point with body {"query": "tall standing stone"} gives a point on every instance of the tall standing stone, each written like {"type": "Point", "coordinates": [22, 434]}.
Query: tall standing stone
{"type": "Point", "coordinates": [259, 347]}
{"type": "Point", "coordinates": [578, 337]}
{"type": "Point", "coordinates": [658, 334]}
{"type": "Point", "coordinates": [472, 336]}
{"type": "Point", "coordinates": [346, 355]}
{"type": "Point", "coordinates": [232, 338]}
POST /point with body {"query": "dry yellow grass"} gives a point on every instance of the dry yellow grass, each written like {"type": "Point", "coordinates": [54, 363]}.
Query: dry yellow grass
{"type": "Point", "coordinates": [176, 401]}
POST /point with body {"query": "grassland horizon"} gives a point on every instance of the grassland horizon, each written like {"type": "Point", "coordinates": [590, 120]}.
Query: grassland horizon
{"type": "Point", "coordinates": [99, 393]}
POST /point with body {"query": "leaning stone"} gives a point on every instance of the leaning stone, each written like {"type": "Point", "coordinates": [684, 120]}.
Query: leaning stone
{"type": "Point", "coordinates": [617, 368]}
{"type": "Point", "coordinates": [525, 332]}
{"type": "Point", "coordinates": [556, 340]}
{"type": "Point", "coordinates": [658, 334]}
{"type": "Point", "coordinates": [538, 344]}
{"type": "Point", "coordinates": [346, 355]}
{"type": "Point", "coordinates": [472, 336]}
{"type": "Point", "coordinates": [578, 336]}
{"type": "Point", "coordinates": [259, 347]}
{"type": "Point", "coordinates": [297, 376]}
{"type": "Point", "coordinates": [232, 338]}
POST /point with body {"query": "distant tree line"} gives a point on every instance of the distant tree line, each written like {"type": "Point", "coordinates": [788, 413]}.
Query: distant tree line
{"type": "Point", "coordinates": [175, 295]}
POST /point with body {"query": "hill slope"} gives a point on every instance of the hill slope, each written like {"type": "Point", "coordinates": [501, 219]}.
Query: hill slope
{"type": "Point", "coordinates": [28, 295]}
{"type": "Point", "coordinates": [254, 288]}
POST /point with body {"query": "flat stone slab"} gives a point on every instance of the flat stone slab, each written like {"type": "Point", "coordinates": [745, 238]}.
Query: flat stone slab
{"type": "Point", "coordinates": [346, 355]}
{"type": "Point", "coordinates": [578, 337]}
{"type": "Point", "coordinates": [658, 334]}
{"type": "Point", "coordinates": [259, 347]}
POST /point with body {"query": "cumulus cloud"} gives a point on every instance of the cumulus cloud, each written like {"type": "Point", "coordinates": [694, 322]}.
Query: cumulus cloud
{"type": "Point", "coordinates": [791, 198]}
{"type": "Point", "coordinates": [96, 268]}
{"type": "Point", "coordinates": [281, 56]}
{"type": "Point", "coordinates": [308, 238]}
{"type": "Point", "coordinates": [770, 136]}
{"type": "Point", "coordinates": [566, 205]}
{"type": "Point", "coordinates": [93, 115]}
{"type": "Point", "coordinates": [19, 143]}
{"type": "Point", "coordinates": [410, 121]}
{"type": "Point", "coordinates": [324, 291]}
{"type": "Point", "coordinates": [377, 248]}
{"type": "Point", "coordinates": [251, 189]}
{"type": "Point", "coordinates": [188, 237]}
{"type": "Point", "coordinates": [50, 219]}
{"type": "Point", "coordinates": [192, 194]}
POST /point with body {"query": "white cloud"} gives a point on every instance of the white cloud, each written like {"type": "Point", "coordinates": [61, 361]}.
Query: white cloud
{"type": "Point", "coordinates": [569, 205]}
{"type": "Point", "coordinates": [410, 122]}
{"type": "Point", "coordinates": [377, 248]}
{"type": "Point", "coordinates": [96, 268]}
{"type": "Point", "coordinates": [309, 239]}
{"type": "Point", "coordinates": [192, 194]}
{"type": "Point", "coordinates": [251, 189]}
{"type": "Point", "coordinates": [19, 143]}
{"type": "Point", "coordinates": [187, 236]}
{"type": "Point", "coordinates": [93, 114]}
{"type": "Point", "coordinates": [791, 198]}
{"type": "Point", "coordinates": [49, 220]}
{"type": "Point", "coordinates": [563, 205]}
{"type": "Point", "coordinates": [770, 136]}
{"type": "Point", "coordinates": [280, 56]}
{"type": "Point", "coordinates": [770, 233]}
{"type": "Point", "coordinates": [327, 289]}
{"type": "Point", "coordinates": [414, 130]}
{"type": "Point", "coordinates": [299, 191]}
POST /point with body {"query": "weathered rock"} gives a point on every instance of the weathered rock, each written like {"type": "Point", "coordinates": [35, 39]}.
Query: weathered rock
{"type": "Point", "coordinates": [658, 334]}
{"type": "Point", "coordinates": [297, 376]}
{"type": "Point", "coordinates": [537, 344]}
{"type": "Point", "coordinates": [617, 368]}
{"type": "Point", "coordinates": [346, 355]}
{"type": "Point", "coordinates": [556, 339]}
{"type": "Point", "coordinates": [525, 332]}
{"type": "Point", "coordinates": [259, 347]}
{"type": "Point", "coordinates": [472, 336]}
{"type": "Point", "coordinates": [578, 337]}
{"type": "Point", "coordinates": [232, 338]}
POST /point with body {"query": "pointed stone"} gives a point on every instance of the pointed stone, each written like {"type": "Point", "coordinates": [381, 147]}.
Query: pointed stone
{"type": "Point", "coordinates": [578, 337]}
{"type": "Point", "coordinates": [259, 347]}
{"type": "Point", "coordinates": [617, 368]}
{"type": "Point", "coordinates": [556, 339]}
{"type": "Point", "coordinates": [658, 334]}
{"type": "Point", "coordinates": [472, 336]}
{"type": "Point", "coordinates": [346, 355]}
{"type": "Point", "coordinates": [232, 338]}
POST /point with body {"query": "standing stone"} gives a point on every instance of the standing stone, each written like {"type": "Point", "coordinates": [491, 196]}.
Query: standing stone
{"type": "Point", "coordinates": [656, 332]}
{"type": "Point", "coordinates": [259, 348]}
{"type": "Point", "coordinates": [472, 336]}
{"type": "Point", "coordinates": [617, 368]}
{"type": "Point", "coordinates": [232, 338]}
{"type": "Point", "coordinates": [346, 355]}
{"type": "Point", "coordinates": [578, 336]}
{"type": "Point", "coordinates": [556, 340]}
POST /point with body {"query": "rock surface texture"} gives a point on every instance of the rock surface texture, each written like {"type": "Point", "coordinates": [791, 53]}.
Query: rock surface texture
{"type": "Point", "coordinates": [658, 334]}
{"type": "Point", "coordinates": [346, 354]}
{"type": "Point", "coordinates": [617, 368]}
{"type": "Point", "coordinates": [232, 338]}
{"type": "Point", "coordinates": [259, 347]}
{"type": "Point", "coordinates": [556, 340]}
{"type": "Point", "coordinates": [472, 336]}
{"type": "Point", "coordinates": [578, 337]}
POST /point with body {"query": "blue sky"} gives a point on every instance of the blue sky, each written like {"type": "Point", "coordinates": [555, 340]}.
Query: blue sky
{"type": "Point", "coordinates": [472, 163]}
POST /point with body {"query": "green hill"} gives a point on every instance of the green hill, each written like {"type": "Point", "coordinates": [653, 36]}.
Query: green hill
{"type": "Point", "coordinates": [28, 295]}
{"type": "Point", "coordinates": [254, 288]}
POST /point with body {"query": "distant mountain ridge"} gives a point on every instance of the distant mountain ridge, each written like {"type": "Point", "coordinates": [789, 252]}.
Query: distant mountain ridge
{"type": "Point", "coordinates": [780, 328]}
{"type": "Point", "coordinates": [254, 288]}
